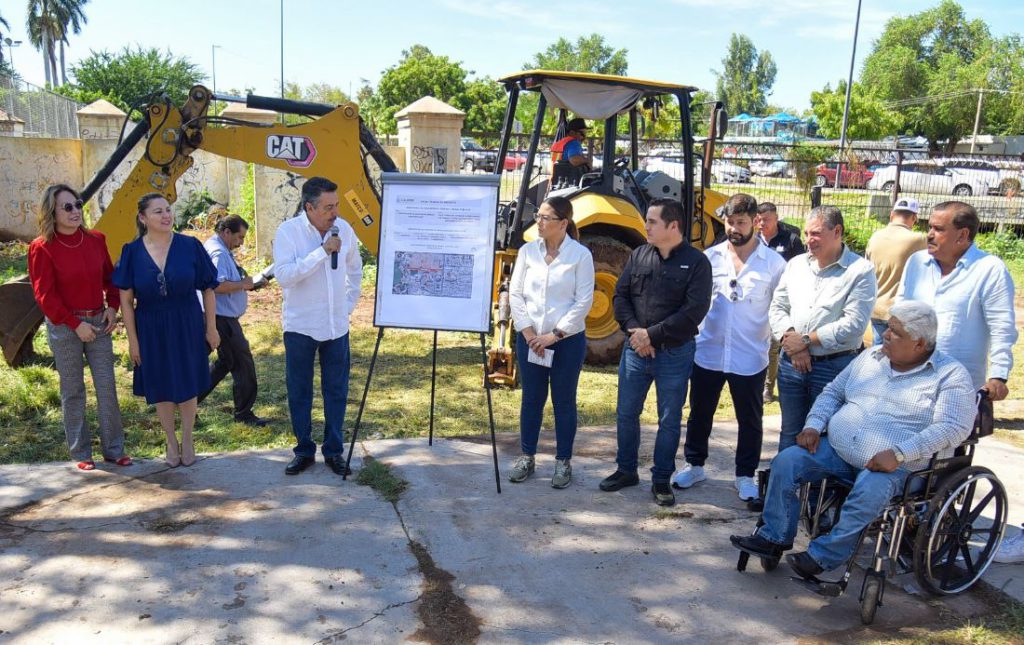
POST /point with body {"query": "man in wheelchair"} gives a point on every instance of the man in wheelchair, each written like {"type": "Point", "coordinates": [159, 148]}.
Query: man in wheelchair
{"type": "Point", "coordinates": [886, 414]}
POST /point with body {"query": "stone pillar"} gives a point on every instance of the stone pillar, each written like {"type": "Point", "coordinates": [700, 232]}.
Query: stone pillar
{"type": "Point", "coordinates": [430, 131]}
{"type": "Point", "coordinates": [11, 126]}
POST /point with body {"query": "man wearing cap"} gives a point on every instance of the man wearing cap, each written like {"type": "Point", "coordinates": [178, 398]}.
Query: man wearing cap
{"type": "Point", "coordinates": [570, 147]}
{"type": "Point", "coordinates": [889, 249]}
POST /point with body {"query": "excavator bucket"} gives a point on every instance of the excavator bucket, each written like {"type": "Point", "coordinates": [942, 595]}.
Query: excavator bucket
{"type": "Point", "coordinates": [20, 317]}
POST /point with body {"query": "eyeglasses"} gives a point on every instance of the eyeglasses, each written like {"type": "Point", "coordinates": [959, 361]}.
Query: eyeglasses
{"type": "Point", "coordinates": [545, 218]}
{"type": "Point", "coordinates": [737, 291]}
{"type": "Point", "coordinates": [73, 206]}
{"type": "Point", "coordinates": [162, 279]}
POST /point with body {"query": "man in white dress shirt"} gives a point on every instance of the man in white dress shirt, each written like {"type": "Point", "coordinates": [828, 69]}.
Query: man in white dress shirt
{"type": "Point", "coordinates": [732, 346]}
{"type": "Point", "coordinates": [318, 299]}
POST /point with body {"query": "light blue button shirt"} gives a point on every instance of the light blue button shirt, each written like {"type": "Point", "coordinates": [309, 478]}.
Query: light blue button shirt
{"type": "Point", "coordinates": [233, 304]}
{"type": "Point", "coordinates": [974, 304]}
{"type": "Point", "coordinates": [870, 407]}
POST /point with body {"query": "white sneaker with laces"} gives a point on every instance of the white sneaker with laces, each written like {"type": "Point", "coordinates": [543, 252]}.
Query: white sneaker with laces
{"type": "Point", "coordinates": [1011, 550]}
{"type": "Point", "coordinates": [747, 488]}
{"type": "Point", "coordinates": [688, 476]}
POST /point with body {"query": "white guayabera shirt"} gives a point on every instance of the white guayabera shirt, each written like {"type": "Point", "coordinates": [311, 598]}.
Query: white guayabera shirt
{"type": "Point", "coordinates": [317, 298]}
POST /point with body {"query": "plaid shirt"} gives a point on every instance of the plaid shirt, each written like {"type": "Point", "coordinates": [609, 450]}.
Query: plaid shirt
{"type": "Point", "coordinates": [870, 407]}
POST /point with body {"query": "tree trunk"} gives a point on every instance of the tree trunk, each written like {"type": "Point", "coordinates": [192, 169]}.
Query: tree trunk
{"type": "Point", "coordinates": [46, 57]}
{"type": "Point", "coordinates": [63, 67]}
{"type": "Point", "coordinates": [53, 61]}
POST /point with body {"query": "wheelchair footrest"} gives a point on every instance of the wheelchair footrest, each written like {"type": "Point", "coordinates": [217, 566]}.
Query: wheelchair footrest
{"type": "Point", "coordinates": [821, 587]}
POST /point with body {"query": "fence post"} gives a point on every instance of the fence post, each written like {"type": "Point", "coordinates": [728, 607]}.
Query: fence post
{"type": "Point", "coordinates": [815, 196]}
{"type": "Point", "coordinates": [896, 181]}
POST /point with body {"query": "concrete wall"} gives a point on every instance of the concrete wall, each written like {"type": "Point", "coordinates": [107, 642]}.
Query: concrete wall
{"type": "Point", "coordinates": [27, 167]}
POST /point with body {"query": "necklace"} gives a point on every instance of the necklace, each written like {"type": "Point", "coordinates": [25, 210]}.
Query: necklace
{"type": "Point", "coordinates": [66, 245]}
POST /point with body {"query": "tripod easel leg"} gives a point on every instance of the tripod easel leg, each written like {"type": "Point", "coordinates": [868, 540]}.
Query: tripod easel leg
{"type": "Point", "coordinates": [362, 403]}
{"type": "Point", "coordinates": [433, 384]}
{"type": "Point", "coordinates": [490, 414]}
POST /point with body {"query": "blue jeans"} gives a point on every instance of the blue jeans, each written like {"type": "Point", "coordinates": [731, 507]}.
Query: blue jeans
{"type": "Point", "coordinates": [878, 328]}
{"type": "Point", "coordinates": [670, 371]}
{"type": "Point", "coordinates": [563, 375]}
{"type": "Point", "coordinates": [795, 466]}
{"type": "Point", "coordinates": [299, 352]}
{"type": "Point", "coordinates": [797, 392]}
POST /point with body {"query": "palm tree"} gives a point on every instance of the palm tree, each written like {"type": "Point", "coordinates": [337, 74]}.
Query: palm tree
{"type": "Point", "coordinates": [6, 25]}
{"type": "Point", "coordinates": [48, 23]}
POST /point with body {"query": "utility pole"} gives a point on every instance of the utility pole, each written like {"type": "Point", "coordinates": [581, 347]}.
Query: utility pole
{"type": "Point", "coordinates": [846, 108]}
{"type": "Point", "coordinates": [213, 55]}
{"type": "Point", "coordinates": [977, 119]}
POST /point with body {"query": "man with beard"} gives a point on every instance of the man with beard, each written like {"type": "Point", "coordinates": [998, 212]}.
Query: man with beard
{"type": "Point", "coordinates": [732, 346]}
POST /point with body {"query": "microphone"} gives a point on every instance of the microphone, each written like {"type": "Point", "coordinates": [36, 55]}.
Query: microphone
{"type": "Point", "coordinates": [334, 256]}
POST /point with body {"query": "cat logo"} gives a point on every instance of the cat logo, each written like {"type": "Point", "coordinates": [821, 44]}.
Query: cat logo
{"type": "Point", "coordinates": [297, 152]}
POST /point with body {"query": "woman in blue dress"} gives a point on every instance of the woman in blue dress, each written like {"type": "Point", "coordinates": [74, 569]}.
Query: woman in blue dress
{"type": "Point", "coordinates": [169, 336]}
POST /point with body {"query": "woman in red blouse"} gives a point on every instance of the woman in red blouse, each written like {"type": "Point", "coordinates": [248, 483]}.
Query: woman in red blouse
{"type": "Point", "coordinates": [70, 269]}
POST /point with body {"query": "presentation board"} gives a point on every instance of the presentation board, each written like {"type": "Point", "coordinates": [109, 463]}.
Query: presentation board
{"type": "Point", "coordinates": [435, 263]}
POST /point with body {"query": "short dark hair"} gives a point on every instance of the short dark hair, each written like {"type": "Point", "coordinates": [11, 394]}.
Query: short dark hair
{"type": "Point", "coordinates": [232, 223]}
{"type": "Point", "coordinates": [830, 216]}
{"type": "Point", "coordinates": [313, 188]}
{"type": "Point", "coordinates": [671, 211]}
{"type": "Point", "coordinates": [767, 207]}
{"type": "Point", "coordinates": [964, 216]}
{"type": "Point", "coordinates": [740, 204]}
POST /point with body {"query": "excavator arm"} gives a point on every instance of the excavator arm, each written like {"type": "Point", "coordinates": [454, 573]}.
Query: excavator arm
{"type": "Point", "coordinates": [335, 145]}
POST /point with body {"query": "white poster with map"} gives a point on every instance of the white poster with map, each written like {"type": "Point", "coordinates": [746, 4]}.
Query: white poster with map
{"type": "Point", "coordinates": [435, 265]}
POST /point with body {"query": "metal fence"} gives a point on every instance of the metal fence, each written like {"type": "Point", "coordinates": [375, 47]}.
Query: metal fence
{"type": "Point", "coordinates": [44, 113]}
{"type": "Point", "coordinates": [791, 176]}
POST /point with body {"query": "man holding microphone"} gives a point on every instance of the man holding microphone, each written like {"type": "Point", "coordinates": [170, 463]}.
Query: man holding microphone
{"type": "Point", "coordinates": [316, 260]}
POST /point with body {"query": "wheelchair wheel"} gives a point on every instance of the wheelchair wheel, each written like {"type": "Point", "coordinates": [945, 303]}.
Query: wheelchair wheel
{"type": "Point", "coordinates": [870, 597]}
{"type": "Point", "coordinates": [957, 539]}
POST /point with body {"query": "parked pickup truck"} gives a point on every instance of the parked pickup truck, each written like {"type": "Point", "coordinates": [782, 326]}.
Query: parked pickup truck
{"type": "Point", "coordinates": [474, 157]}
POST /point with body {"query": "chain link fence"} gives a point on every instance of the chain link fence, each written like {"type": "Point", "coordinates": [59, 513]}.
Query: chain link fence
{"type": "Point", "coordinates": [41, 113]}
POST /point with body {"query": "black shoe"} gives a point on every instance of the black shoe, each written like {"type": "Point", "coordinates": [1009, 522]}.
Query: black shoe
{"type": "Point", "coordinates": [337, 464]}
{"type": "Point", "coordinates": [759, 547]}
{"type": "Point", "coordinates": [252, 420]}
{"type": "Point", "coordinates": [804, 565]}
{"type": "Point", "coordinates": [663, 495]}
{"type": "Point", "coordinates": [298, 464]}
{"type": "Point", "coordinates": [618, 480]}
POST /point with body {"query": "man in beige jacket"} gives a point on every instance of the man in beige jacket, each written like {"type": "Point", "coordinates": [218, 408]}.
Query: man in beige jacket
{"type": "Point", "coordinates": [888, 249]}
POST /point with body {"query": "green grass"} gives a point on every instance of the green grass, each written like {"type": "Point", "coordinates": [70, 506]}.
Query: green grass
{"type": "Point", "coordinates": [1004, 626]}
{"type": "Point", "coordinates": [13, 260]}
{"type": "Point", "coordinates": [379, 476]}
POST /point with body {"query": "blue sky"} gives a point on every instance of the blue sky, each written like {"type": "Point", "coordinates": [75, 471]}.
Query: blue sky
{"type": "Point", "coordinates": [342, 42]}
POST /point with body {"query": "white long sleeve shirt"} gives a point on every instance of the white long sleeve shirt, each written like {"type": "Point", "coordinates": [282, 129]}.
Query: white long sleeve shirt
{"type": "Point", "coordinates": [545, 296]}
{"type": "Point", "coordinates": [317, 299]}
{"type": "Point", "coordinates": [735, 335]}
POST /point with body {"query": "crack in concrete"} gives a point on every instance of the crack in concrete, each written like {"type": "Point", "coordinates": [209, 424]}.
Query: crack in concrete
{"type": "Point", "coordinates": [70, 529]}
{"type": "Point", "coordinates": [334, 637]}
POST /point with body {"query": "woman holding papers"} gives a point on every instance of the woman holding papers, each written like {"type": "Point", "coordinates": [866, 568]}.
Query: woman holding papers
{"type": "Point", "coordinates": [551, 292]}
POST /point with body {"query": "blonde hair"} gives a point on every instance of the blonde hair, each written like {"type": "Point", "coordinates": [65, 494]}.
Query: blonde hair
{"type": "Point", "coordinates": [46, 219]}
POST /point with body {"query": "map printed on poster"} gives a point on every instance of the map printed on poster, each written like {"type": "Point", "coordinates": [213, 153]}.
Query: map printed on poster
{"type": "Point", "coordinates": [436, 259]}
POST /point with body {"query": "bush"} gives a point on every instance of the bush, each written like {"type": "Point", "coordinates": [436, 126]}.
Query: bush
{"type": "Point", "coordinates": [1006, 246]}
{"type": "Point", "coordinates": [190, 208]}
{"type": "Point", "coordinates": [804, 159]}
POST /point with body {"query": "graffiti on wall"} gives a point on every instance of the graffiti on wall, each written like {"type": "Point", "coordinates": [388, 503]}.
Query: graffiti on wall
{"type": "Point", "coordinates": [428, 159]}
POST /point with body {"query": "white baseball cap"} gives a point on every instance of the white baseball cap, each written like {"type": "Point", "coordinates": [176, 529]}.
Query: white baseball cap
{"type": "Point", "coordinates": [907, 204]}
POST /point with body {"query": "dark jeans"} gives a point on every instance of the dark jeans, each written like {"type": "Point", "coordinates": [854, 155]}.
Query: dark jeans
{"type": "Point", "coordinates": [299, 352]}
{"type": "Point", "coordinates": [234, 357]}
{"type": "Point", "coordinates": [797, 392]}
{"type": "Point", "coordinates": [670, 371]}
{"type": "Point", "coordinates": [747, 392]}
{"type": "Point", "coordinates": [563, 375]}
{"type": "Point", "coordinates": [878, 328]}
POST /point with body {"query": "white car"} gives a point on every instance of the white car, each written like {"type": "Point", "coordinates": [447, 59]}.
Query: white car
{"type": "Point", "coordinates": [769, 168]}
{"type": "Point", "coordinates": [983, 171]}
{"type": "Point", "coordinates": [726, 172]}
{"type": "Point", "coordinates": [927, 177]}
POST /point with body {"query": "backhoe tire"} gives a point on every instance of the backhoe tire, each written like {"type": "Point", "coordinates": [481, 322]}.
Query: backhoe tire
{"type": "Point", "coordinates": [604, 338]}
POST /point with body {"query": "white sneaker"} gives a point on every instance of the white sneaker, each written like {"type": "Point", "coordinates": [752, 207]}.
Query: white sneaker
{"type": "Point", "coordinates": [1011, 550]}
{"type": "Point", "coordinates": [688, 476]}
{"type": "Point", "coordinates": [747, 488]}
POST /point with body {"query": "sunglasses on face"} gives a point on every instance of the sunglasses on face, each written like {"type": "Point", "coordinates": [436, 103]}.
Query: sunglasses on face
{"type": "Point", "coordinates": [73, 206]}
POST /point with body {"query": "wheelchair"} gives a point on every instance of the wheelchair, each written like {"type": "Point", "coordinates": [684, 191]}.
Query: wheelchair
{"type": "Point", "coordinates": [944, 527]}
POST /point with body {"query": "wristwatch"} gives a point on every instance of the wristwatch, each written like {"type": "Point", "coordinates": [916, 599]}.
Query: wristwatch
{"type": "Point", "coordinates": [807, 339]}
{"type": "Point", "coordinates": [559, 334]}
{"type": "Point", "coordinates": [900, 457]}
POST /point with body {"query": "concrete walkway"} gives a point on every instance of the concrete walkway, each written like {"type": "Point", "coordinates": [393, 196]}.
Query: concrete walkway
{"type": "Point", "coordinates": [233, 551]}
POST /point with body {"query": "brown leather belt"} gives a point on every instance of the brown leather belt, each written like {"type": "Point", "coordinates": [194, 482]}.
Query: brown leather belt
{"type": "Point", "coordinates": [87, 312]}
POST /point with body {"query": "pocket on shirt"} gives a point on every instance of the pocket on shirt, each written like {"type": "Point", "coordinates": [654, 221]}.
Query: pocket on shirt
{"type": "Point", "coordinates": [638, 281]}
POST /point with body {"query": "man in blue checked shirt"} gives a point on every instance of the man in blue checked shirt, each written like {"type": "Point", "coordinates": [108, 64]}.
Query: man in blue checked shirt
{"type": "Point", "coordinates": [887, 413]}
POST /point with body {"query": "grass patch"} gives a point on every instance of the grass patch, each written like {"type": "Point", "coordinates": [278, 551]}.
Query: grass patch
{"type": "Point", "coordinates": [1004, 626]}
{"type": "Point", "coordinates": [379, 476]}
{"type": "Point", "coordinates": [13, 260]}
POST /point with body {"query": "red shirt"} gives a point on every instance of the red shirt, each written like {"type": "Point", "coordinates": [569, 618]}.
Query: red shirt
{"type": "Point", "coordinates": [71, 272]}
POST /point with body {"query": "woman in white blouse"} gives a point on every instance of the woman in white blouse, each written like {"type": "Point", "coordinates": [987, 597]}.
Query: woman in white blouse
{"type": "Point", "coordinates": [551, 293]}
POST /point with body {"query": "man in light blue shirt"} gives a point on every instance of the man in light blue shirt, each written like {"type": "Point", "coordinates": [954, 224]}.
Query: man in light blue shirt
{"type": "Point", "coordinates": [887, 413]}
{"type": "Point", "coordinates": [972, 294]}
{"type": "Point", "coordinates": [233, 355]}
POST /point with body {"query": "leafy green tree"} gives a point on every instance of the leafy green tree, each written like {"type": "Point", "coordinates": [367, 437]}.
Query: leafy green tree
{"type": "Point", "coordinates": [587, 54]}
{"type": "Point", "coordinates": [133, 74]}
{"type": "Point", "coordinates": [868, 118]}
{"type": "Point", "coordinates": [746, 78]}
{"type": "Point", "coordinates": [419, 73]}
{"type": "Point", "coordinates": [483, 101]}
{"type": "Point", "coordinates": [928, 67]}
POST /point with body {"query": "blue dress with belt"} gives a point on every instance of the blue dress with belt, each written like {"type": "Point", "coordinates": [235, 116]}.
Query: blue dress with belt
{"type": "Point", "coordinates": [168, 318]}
